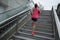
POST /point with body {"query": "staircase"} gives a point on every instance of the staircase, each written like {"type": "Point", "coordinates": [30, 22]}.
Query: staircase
{"type": "Point", "coordinates": [43, 31]}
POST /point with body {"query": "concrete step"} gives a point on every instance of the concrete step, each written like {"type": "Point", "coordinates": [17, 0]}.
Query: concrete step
{"type": "Point", "coordinates": [15, 38]}
{"type": "Point", "coordinates": [19, 38]}
{"type": "Point", "coordinates": [43, 16]}
{"type": "Point", "coordinates": [38, 33]}
{"type": "Point", "coordinates": [39, 23]}
{"type": "Point", "coordinates": [45, 13]}
{"type": "Point", "coordinates": [48, 22]}
{"type": "Point", "coordinates": [37, 37]}
{"type": "Point", "coordinates": [40, 29]}
{"type": "Point", "coordinates": [43, 23]}
{"type": "Point", "coordinates": [39, 26]}
{"type": "Point", "coordinates": [46, 19]}
{"type": "Point", "coordinates": [28, 37]}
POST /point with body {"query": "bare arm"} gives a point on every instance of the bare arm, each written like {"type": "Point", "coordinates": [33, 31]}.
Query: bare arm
{"type": "Point", "coordinates": [38, 11]}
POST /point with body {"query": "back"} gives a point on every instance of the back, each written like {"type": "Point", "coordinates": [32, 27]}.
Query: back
{"type": "Point", "coordinates": [35, 13]}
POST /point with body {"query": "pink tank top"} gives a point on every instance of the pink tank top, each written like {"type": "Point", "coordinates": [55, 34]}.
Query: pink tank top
{"type": "Point", "coordinates": [35, 13]}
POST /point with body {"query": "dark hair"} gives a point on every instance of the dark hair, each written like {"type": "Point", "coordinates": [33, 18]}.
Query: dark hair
{"type": "Point", "coordinates": [36, 5]}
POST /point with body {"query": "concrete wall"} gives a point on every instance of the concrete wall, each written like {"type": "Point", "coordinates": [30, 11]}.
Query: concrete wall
{"type": "Point", "coordinates": [8, 5]}
{"type": "Point", "coordinates": [12, 4]}
{"type": "Point", "coordinates": [1, 9]}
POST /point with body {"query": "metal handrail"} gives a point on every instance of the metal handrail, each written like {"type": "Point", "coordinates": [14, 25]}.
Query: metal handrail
{"type": "Point", "coordinates": [16, 10]}
{"type": "Point", "coordinates": [57, 22]}
{"type": "Point", "coordinates": [21, 6]}
{"type": "Point", "coordinates": [14, 20]}
{"type": "Point", "coordinates": [12, 23]}
{"type": "Point", "coordinates": [12, 12]}
{"type": "Point", "coordinates": [14, 16]}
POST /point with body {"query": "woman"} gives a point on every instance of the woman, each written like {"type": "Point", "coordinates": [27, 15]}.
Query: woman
{"type": "Point", "coordinates": [34, 14]}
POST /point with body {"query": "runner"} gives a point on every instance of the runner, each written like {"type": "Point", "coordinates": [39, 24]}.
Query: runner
{"type": "Point", "coordinates": [34, 15]}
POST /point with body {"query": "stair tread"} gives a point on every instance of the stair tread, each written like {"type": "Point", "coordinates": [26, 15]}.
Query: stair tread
{"type": "Point", "coordinates": [40, 19]}
{"type": "Point", "coordinates": [28, 34]}
{"type": "Point", "coordinates": [45, 16]}
{"type": "Point", "coordinates": [24, 38]}
{"type": "Point", "coordinates": [45, 25]}
{"type": "Point", "coordinates": [16, 38]}
{"type": "Point", "coordinates": [28, 37]}
{"type": "Point", "coordinates": [37, 27]}
{"type": "Point", "coordinates": [20, 38]}
{"type": "Point", "coordinates": [37, 31]}
{"type": "Point", "coordinates": [41, 24]}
